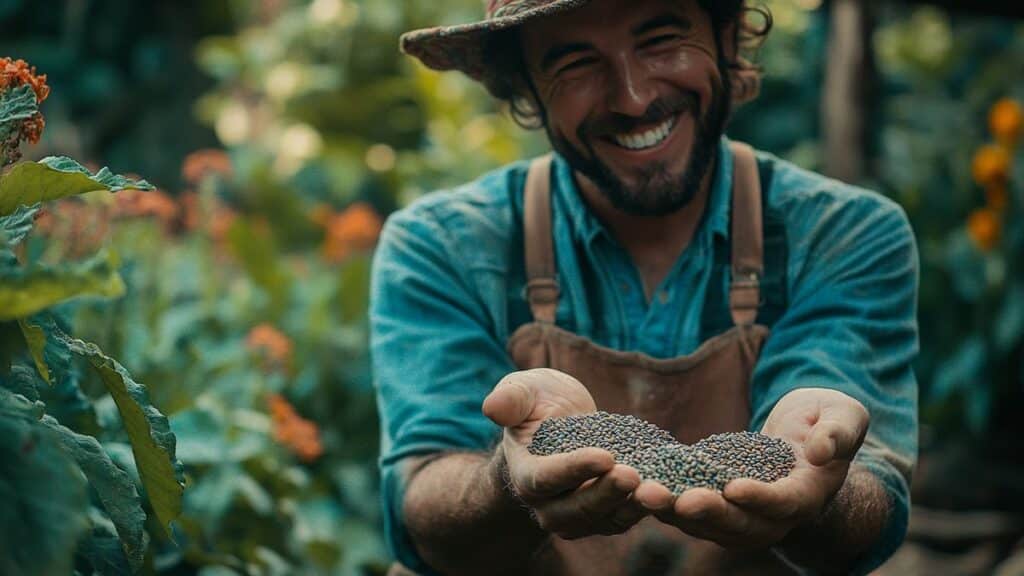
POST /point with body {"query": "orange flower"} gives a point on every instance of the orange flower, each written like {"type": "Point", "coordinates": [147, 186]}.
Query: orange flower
{"type": "Point", "coordinates": [984, 227]}
{"type": "Point", "coordinates": [272, 344]}
{"type": "Point", "coordinates": [299, 435]}
{"type": "Point", "coordinates": [220, 223]}
{"type": "Point", "coordinates": [1005, 119]}
{"type": "Point", "coordinates": [997, 197]}
{"type": "Point", "coordinates": [15, 73]}
{"type": "Point", "coordinates": [145, 203]}
{"type": "Point", "coordinates": [991, 165]}
{"type": "Point", "coordinates": [355, 229]}
{"type": "Point", "coordinates": [201, 163]}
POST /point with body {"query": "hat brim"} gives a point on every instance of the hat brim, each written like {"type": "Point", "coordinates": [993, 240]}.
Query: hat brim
{"type": "Point", "coordinates": [461, 47]}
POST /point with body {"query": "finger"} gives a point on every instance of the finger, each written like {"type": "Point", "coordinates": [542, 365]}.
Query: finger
{"type": "Point", "coordinates": [511, 401]}
{"type": "Point", "coordinates": [592, 509]}
{"type": "Point", "coordinates": [838, 434]}
{"type": "Point", "coordinates": [707, 514]}
{"type": "Point", "coordinates": [653, 496]}
{"type": "Point", "coordinates": [537, 477]}
{"type": "Point", "coordinates": [625, 516]}
{"type": "Point", "coordinates": [789, 498]}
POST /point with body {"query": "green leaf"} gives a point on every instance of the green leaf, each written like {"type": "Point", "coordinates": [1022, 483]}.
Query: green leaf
{"type": "Point", "coordinates": [24, 292]}
{"type": "Point", "coordinates": [102, 548]}
{"type": "Point", "coordinates": [56, 177]}
{"type": "Point", "coordinates": [15, 227]}
{"type": "Point", "coordinates": [354, 289]}
{"type": "Point", "coordinates": [44, 495]}
{"type": "Point", "coordinates": [256, 248]}
{"type": "Point", "coordinates": [113, 486]}
{"type": "Point", "coordinates": [17, 104]}
{"type": "Point", "coordinates": [35, 337]}
{"type": "Point", "coordinates": [153, 443]}
{"type": "Point", "coordinates": [21, 380]}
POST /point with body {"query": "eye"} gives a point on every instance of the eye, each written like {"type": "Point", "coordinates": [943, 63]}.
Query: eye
{"type": "Point", "coordinates": [659, 40]}
{"type": "Point", "coordinates": [577, 64]}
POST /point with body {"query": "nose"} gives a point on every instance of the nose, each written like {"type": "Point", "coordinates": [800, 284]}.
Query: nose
{"type": "Point", "coordinates": [630, 91]}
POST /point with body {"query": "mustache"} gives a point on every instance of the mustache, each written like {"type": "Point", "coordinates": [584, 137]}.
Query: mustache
{"type": "Point", "coordinates": [658, 111]}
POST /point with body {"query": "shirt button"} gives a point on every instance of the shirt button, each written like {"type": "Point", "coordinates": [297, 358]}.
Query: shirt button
{"type": "Point", "coordinates": [624, 286]}
{"type": "Point", "coordinates": [663, 296]}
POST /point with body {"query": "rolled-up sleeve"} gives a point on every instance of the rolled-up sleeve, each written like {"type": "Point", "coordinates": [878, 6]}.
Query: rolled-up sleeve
{"type": "Point", "coordinates": [851, 326]}
{"type": "Point", "coordinates": [434, 357]}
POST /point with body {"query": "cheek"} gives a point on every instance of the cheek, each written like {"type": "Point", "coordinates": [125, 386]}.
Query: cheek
{"type": "Point", "coordinates": [568, 106]}
{"type": "Point", "coordinates": [693, 68]}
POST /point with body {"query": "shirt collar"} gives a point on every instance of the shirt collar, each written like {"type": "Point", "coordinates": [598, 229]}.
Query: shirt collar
{"type": "Point", "coordinates": [586, 226]}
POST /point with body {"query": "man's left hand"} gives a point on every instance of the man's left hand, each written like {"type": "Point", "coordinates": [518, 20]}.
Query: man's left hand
{"type": "Point", "coordinates": [825, 428]}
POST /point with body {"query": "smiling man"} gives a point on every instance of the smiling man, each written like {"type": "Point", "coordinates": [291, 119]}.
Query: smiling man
{"type": "Point", "coordinates": [649, 266]}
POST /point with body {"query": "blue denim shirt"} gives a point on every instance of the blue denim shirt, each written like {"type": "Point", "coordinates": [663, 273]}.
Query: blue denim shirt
{"type": "Point", "coordinates": [447, 292]}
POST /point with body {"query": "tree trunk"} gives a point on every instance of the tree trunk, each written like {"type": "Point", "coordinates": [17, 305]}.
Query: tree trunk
{"type": "Point", "coordinates": [846, 95]}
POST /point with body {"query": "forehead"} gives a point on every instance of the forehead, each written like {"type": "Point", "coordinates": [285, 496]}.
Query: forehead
{"type": "Point", "coordinates": [601, 18]}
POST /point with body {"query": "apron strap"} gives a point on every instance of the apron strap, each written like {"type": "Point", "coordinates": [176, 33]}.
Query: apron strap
{"type": "Point", "coordinates": [541, 276]}
{"type": "Point", "coordinates": [747, 237]}
{"type": "Point", "coordinates": [542, 290]}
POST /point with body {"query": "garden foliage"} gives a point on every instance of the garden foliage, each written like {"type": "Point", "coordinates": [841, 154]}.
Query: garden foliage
{"type": "Point", "coordinates": [238, 290]}
{"type": "Point", "coordinates": [69, 504]}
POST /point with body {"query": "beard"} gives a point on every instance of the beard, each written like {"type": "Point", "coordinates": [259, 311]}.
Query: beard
{"type": "Point", "coordinates": [656, 191]}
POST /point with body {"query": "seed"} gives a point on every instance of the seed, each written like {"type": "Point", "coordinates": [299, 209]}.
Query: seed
{"type": "Point", "coordinates": [655, 454]}
{"type": "Point", "coordinates": [620, 434]}
{"type": "Point", "coordinates": [751, 454]}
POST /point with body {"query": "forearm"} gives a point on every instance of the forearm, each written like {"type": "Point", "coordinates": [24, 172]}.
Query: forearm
{"type": "Point", "coordinates": [848, 527]}
{"type": "Point", "coordinates": [463, 520]}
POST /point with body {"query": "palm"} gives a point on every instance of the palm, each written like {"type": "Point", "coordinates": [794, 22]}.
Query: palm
{"type": "Point", "coordinates": [555, 395]}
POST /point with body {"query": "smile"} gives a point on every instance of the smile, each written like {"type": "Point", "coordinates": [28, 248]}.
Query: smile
{"type": "Point", "coordinates": [647, 139]}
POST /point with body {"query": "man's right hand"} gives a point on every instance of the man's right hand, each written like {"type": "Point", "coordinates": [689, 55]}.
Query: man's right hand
{"type": "Point", "coordinates": [572, 495]}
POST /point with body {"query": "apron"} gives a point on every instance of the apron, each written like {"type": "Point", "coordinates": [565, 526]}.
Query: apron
{"type": "Point", "coordinates": [692, 396]}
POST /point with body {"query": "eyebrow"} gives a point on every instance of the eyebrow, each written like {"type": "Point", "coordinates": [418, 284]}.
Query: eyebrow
{"type": "Point", "coordinates": [666, 19]}
{"type": "Point", "coordinates": [557, 52]}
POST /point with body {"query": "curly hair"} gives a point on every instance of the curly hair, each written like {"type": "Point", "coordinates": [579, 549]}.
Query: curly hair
{"type": "Point", "coordinates": [507, 82]}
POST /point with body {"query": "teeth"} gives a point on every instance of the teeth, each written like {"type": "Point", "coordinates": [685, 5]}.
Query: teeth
{"type": "Point", "coordinates": [647, 139]}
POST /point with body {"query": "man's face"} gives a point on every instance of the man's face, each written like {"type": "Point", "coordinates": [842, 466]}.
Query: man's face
{"type": "Point", "coordinates": [633, 97]}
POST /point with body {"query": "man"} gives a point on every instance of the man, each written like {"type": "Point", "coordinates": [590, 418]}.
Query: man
{"type": "Point", "coordinates": [650, 267]}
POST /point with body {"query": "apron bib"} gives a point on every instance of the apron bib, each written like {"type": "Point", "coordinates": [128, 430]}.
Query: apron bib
{"type": "Point", "coordinates": [692, 396]}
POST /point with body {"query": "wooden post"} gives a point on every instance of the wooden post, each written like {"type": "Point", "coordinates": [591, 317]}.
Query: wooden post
{"type": "Point", "coordinates": [846, 92]}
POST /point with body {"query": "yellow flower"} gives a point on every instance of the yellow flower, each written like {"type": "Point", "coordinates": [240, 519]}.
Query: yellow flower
{"type": "Point", "coordinates": [984, 227]}
{"type": "Point", "coordinates": [991, 165]}
{"type": "Point", "coordinates": [1006, 119]}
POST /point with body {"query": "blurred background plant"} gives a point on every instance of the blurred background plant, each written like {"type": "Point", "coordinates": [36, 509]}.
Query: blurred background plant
{"type": "Point", "coordinates": [280, 133]}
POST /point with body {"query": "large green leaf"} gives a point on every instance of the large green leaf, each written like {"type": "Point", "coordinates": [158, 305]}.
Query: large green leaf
{"type": "Point", "coordinates": [113, 486]}
{"type": "Point", "coordinates": [15, 227]}
{"type": "Point", "coordinates": [17, 104]}
{"type": "Point", "coordinates": [44, 497]}
{"type": "Point", "coordinates": [103, 549]}
{"type": "Point", "coordinates": [153, 443]}
{"type": "Point", "coordinates": [35, 338]}
{"type": "Point", "coordinates": [56, 177]}
{"type": "Point", "coordinates": [21, 379]}
{"type": "Point", "coordinates": [24, 292]}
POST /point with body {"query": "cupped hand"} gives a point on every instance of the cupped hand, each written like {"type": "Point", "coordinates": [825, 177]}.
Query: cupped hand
{"type": "Point", "coordinates": [825, 428]}
{"type": "Point", "coordinates": [572, 495]}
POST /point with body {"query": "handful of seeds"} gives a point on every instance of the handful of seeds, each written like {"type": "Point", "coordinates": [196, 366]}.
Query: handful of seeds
{"type": "Point", "coordinates": [654, 453]}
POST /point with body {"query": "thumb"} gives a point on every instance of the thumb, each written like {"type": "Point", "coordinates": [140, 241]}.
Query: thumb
{"type": "Point", "coordinates": [838, 434]}
{"type": "Point", "coordinates": [511, 401]}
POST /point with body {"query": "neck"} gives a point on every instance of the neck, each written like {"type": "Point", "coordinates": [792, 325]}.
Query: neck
{"type": "Point", "coordinates": [653, 242]}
